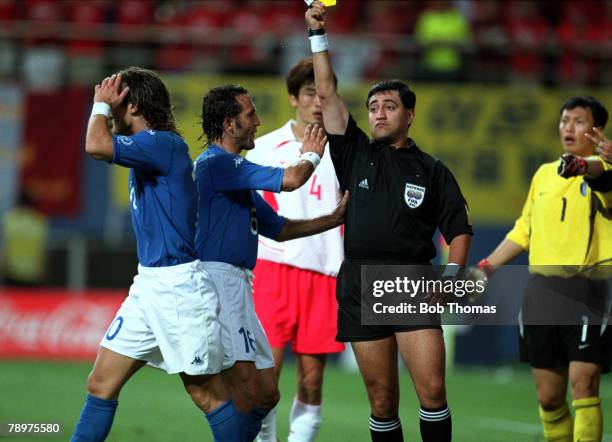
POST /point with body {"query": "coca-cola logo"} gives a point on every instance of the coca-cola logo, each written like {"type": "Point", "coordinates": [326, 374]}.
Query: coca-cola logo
{"type": "Point", "coordinates": [73, 326]}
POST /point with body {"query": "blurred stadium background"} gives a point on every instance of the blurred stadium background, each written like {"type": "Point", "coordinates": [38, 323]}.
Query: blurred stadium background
{"type": "Point", "coordinates": [489, 76]}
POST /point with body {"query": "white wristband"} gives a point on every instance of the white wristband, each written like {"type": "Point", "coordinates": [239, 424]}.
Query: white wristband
{"type": "Point", "coordinates": [451, 271]}
{"type": "Point", "coordinates": [318, 43]}
{"type": "Point", "coordinates": [100, 108]}
{"type": "Point", "coordinates": [314, 158]}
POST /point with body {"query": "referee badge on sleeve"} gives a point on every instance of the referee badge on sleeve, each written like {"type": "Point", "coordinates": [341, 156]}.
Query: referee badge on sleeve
{"type": "Point", "coordinates": [414, 195]}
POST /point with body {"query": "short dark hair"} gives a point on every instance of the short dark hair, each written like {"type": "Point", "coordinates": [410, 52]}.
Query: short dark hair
{"type": "Point", "coordinates": [598, 110]}
{"type": "Point", "coordinates": [302, 73]}
{"type": "Point", "coordinates": [218, 104]}
{"type": "Point", "coordinates": [407, 96]}
{"type": "Point", "coordinates": [150, 96]}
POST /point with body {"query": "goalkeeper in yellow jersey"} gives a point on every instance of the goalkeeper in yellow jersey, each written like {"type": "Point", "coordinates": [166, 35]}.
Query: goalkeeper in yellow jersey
{"type": "Point", "coordinates": [566, 225]}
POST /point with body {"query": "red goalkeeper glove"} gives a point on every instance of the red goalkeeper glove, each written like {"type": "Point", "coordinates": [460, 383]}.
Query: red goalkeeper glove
{"type": "Point", "coordinates": [570, 165]}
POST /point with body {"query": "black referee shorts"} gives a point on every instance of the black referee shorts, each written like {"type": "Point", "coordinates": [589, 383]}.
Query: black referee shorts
{"type": "Point", "coordinates": [580, 334]}
{"type": "Point", "coordinates": [348, 295]}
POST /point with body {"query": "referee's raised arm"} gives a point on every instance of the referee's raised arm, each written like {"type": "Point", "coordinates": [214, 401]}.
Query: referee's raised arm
{"type": "Point", "coordinates": [335, 113]}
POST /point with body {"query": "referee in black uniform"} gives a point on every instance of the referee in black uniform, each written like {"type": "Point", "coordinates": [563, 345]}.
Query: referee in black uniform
{"type": "Point", "coordinates": [399, 196]}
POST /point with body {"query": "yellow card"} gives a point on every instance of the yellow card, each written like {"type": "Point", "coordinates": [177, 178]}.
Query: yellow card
{"type": "Point", "coordinates": [325, 2]}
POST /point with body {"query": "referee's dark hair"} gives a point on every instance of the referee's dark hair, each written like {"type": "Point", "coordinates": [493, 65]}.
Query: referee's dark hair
{"type": "Point", "coordinates": [598, 110]}
{"type": "Point", "coordinates": [218, 104]}
{"type": "Point", "coordinates": [406, 95]}
{"type": "Point", "coordinates": [301, 74]}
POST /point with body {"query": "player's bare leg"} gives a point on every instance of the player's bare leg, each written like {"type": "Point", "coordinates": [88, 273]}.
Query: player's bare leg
{"type": "Point", "coordinates": [584, 378]}
{"type": "Point", "coordinates": [268, 424]}
{"type": "Point", "coordinates": [305, 416]}
{"type": "Point", "coordinates": [206, 391]}
{"type": "Point", "coordinates": [424, 355]}
{"type": "Point", "coordinates": [110, 373]}
{"type": "Point", "coordinates": [310, 378]}
{"type": "Point", "coordinates": [241, 384]}
{"type": "Point", "coordinates": [377, 361]}
{"type": "Point", "coordinates": [210, 395]}
{"type": "Point", "coordinates": [269, 395]}
{"type": "Point", "coordinates": [551, 388]}
{"type": "Point", "coordinates": [255, 392]}
{"type": "Point", "coordinates": [250, 387]}
{"type": "Point", "coordinates": [278, 355]}
{"type": "Point", "coordinates": [267, 386]}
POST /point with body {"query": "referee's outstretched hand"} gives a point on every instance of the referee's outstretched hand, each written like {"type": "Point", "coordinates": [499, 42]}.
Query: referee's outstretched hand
{"type": "Point", "coordinates": [315, 15]}
{"type": "Point", "coordinates": [314, 139]}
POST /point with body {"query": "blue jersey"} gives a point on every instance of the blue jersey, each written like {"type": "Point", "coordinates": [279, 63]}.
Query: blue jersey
{"type": "Point", "coordinates": [230, 212]}
{"type": "Point", "coordinates": [163, 196]}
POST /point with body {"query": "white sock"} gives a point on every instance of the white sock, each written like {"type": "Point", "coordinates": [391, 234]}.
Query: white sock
{"type": "Point", "coordinates": [268, 428]}
{"type": "Point", "coordinates": [304, 421]}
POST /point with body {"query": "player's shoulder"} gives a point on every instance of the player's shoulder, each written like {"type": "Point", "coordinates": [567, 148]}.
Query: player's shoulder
{"type": "Point", "coordinates": [215, 156]}
{"type": "Point", "coordinates": [204, 157]}
{"type": "Point", "coordinates": [162, 137]}
{"type": "Point", "coordinates": [152, 134]}
{"type": "Point", "coordinates": [546, 174]}
{"type": "Point", "coordinates": [547, 169]}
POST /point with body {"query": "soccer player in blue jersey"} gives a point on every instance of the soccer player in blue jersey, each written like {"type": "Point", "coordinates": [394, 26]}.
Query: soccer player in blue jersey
{"type": "Point", "coordinates": [231, 214]}
{"type": "Point", "coordinates": [170, 318]}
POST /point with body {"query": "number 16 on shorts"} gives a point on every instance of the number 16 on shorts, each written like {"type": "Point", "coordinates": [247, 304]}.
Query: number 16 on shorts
{"type": "Point", "coordinates": [249, 342]}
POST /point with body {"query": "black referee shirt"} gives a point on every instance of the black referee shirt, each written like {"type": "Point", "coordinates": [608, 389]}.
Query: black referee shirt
{"type": "Point", "coordinates": [397, 199]}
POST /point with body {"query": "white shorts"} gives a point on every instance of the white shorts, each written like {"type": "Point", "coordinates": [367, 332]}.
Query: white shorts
{"type": "Point", "coordinates": [171, 320]}
{"type": "Point", "coordinates": [243, 336]}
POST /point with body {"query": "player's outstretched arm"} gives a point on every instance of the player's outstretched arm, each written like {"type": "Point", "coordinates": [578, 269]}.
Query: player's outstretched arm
{"type": "Point", "coordinates": [299, 228]}
{"type": "Point", "coordinates": [108, 96]}
{"type": "Point", "coordinates": [505, 252]}
{"type": "Point", "coordinates": [335, 113]}
{"type": "Point", "coordinates": [313, 147]}
{"type": "Point", "coordinates": [571, 165]}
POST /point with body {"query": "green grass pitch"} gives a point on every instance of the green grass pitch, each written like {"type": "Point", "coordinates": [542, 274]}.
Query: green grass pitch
{"type": "Point", "coordinates": [489, 405]}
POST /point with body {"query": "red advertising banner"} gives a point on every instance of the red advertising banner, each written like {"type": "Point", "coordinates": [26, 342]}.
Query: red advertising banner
{"type": "Point", "coordinates": [53, 149]}
{"type": "Point", "coordinates": [47, 324]}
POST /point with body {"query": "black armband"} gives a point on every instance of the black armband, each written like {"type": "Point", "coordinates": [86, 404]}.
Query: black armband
{"type": "Point", "coordinates": [603, 183]}
{"type": "Point", "coordinates": [312, 32]}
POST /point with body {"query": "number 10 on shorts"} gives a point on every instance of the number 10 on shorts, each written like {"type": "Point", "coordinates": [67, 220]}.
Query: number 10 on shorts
{"type": "Point", "coordinates": [249, 342]}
